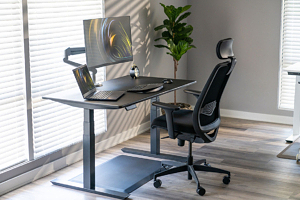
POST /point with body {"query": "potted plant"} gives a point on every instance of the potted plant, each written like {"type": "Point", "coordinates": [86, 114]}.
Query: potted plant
{"type": "Point", "coordinates": [176, 34]}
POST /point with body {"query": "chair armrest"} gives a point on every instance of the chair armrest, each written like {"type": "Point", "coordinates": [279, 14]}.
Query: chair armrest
{"type": "Point", "coordinates": [193, 92]}
{"type": "Point", "coordinates": [165, 106]}
{"type": "Point", "coordinates": [169, 116]}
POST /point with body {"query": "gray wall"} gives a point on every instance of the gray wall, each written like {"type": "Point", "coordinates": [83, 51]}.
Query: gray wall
{"type": "Point", "coordinates": [255, 27]}
{"type": "Point", "coordinates": [145, 15]}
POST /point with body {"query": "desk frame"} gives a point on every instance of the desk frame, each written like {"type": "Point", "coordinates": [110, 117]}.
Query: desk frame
{"type": "Point", "coordinates": [89, 137]}
{"type": "Point", "coordinates": [89, 155]}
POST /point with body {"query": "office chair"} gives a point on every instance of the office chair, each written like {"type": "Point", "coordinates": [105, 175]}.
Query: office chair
{"type": "Point", "coordinates": [200, 125]}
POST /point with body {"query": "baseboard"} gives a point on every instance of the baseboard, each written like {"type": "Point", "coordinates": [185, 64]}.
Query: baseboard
{"type": "Point", "coordinates": [47, 169]}
{"type": "Point", "coordinates": [278, 119]}
{"type": "Point", "coordinates": [257, 116]}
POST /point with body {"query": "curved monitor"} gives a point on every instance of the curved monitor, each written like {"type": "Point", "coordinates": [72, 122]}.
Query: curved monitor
{"type": "Point", "coordinates": [107, 41]}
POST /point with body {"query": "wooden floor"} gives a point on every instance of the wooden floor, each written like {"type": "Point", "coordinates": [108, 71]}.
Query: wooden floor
{"type": "Point", "coordinates": [247, 149]}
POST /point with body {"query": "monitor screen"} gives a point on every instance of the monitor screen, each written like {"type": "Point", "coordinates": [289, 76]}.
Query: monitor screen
{"type": "Point", "coordinates": [107, 41]}
{"type": "Point", "coordinates": [84, 80]}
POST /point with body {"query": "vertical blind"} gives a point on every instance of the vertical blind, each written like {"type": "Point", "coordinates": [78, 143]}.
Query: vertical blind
{"type": "Point", "coordinates": [13, 123]}
{"type": "Point", "coordinates": [54, 26]}
{"type": "Point", "coordinates": [290, 48]}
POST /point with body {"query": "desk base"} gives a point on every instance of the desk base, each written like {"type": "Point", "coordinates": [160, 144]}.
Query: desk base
{"type": "Point", "coordinates": [161, 155]}
{"type": "Point", "coordinates": [117, 177]}
{"type": "Point", "coordinates": [97, 190]}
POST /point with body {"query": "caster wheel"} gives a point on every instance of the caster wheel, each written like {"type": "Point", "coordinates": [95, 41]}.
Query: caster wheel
{"type": "Point", "coordinates": [157, 183]}
{"type": "Point", "coordinates": [226, 180]}
{"type": "Point", "coordinates": [201, 191]}
{"type": "Point", "coordinates": [207, 165]}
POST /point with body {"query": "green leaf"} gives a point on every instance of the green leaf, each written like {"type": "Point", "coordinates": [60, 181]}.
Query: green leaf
{"type": "Point", "coordinates": [177, 35]}
{"type": "Point", "coordinates": [179, 27]}
{"type": "Point", "coordinates": [177, 51]}
{"type": "Point", "coordinates": [177, 12]}
{"type": "Point", "coordinates": [163, 5]}
{"type": "Point", "coordinates": [167, 22]}
{"type": "Point", "coordinates": [161, 46]}
{"type": "Point", "coordinates": [172, 10]}
{"type": "Point", "coordinates": [189, 40]}
{"type": "Point", "coordinates": [166, 34]}
{"type": "Point", "coordinates": [167, 11]}
{"type": "Point", "coordinates": [185, 15]}
{"type": "Point", "coordinates": [162, 38]}
{"type": "Point", "coordinates": [160, 27]}
{"type": "Point", "coordinates": [186, 30]}
{"type": "Point", "coordinates": [185, 8]}
{"type": "Point", "coordinates": [174, 56]}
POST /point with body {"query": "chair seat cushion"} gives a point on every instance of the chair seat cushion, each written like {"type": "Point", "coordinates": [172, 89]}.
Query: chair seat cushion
{"type": "Point", "coordinates": [182, 119]}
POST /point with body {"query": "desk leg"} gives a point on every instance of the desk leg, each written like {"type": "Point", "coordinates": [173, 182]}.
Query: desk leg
{"type": "Point", "coordinates": [154, 132]}
{"type": "Point", "coordinates": [88, 150]}
{"type": "Point", "coordinates": [89, 163]}
{"type": "Point", "coordinates": [296, 117]}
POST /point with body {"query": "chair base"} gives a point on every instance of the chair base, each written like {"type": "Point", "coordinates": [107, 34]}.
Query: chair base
{"type": "Point", "coordinates": [191, 169]}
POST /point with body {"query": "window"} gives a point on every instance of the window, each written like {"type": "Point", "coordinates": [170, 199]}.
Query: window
{"type": "Point", "coordinates": [290, 51]}
{"type": "Point", "coordinates": [13, 123]}
{"type": "Point", "coordinates": [52, 27]}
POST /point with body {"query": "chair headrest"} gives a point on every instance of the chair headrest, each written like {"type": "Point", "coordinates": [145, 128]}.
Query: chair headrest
{"type": "Point", "coordinates": [224, 48]}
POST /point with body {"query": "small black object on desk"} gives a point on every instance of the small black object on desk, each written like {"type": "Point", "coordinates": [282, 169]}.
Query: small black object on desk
{"type": "Point", "coordinates": [134, 72]}
{"type": "Point", "coordinates": [167, 81]}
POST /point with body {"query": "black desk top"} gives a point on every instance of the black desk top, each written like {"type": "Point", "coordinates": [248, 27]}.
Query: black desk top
{"type": "Point", "coordinates": [74, 98]}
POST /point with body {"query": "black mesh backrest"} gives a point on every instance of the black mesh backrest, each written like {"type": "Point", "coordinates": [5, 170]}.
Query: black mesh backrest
{"type": "Point", "coordinates": [206, 116]}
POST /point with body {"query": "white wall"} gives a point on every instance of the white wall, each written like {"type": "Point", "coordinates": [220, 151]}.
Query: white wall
{"type": "Point", "coordinates": [255, 27]}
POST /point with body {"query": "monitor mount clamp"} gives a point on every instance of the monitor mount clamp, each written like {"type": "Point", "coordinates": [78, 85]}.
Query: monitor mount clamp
{"type": "Point", "coordinates": [78, 50]}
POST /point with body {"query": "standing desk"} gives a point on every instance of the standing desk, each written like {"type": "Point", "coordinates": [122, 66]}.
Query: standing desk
{"type": "Point", "coordinates": [295, 70]}
{"type": "Point", "coordinates": [74, 98]}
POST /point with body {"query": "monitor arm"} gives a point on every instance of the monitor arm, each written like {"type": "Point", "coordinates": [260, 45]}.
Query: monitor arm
{"type": "Point", "coordinates": [74, 51]}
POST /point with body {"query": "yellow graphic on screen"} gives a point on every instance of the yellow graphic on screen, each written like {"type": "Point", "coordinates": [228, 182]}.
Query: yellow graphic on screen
{"type": "Point", "coordinates": [109, 41]}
